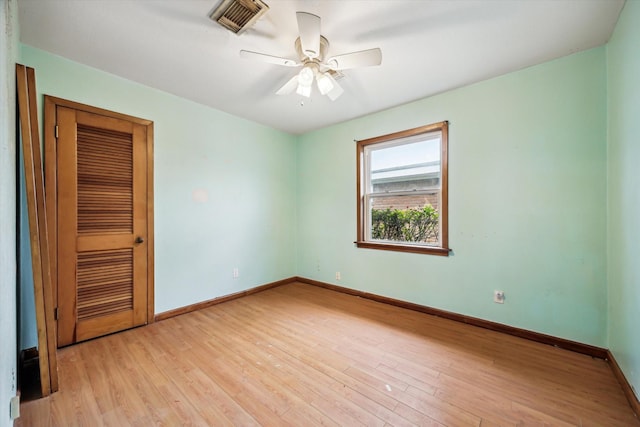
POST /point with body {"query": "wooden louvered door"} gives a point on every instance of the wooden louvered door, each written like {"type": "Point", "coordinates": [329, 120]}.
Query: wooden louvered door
{"type": "Point", "coordinates": [102, 225]}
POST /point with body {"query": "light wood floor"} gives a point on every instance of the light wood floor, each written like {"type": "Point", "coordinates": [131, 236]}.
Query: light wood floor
{"type": "Point", "coordinates": [302, 356]}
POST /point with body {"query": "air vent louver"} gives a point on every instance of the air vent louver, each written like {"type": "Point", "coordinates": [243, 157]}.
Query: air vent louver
{"type": "Point", "coordinates": [238, 15]}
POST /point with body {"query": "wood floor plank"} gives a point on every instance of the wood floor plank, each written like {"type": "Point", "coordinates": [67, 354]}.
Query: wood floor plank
{"type": "Point", "coordinates": [409, 379]}
{"type": "Point", "coordinates": [493, 408]}
{"type": "Point", "coordinates": [360, 413]}
{"type": "Point", "coordinates": [299, 355]}
{"type": "Point", "coordinates": [305, 415]}
{"type": "Point", "coordinates": [321, 386]}
{"type": "Point", "coordinates": [416, 417]}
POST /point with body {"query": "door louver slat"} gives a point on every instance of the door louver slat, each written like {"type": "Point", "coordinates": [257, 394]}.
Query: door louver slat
{"type": "Point", "coordinates": [105, 282]}
{"type": "Point", "coordinates": [105, 174]}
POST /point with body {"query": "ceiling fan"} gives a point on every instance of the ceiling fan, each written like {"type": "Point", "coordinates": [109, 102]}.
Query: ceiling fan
{"type": "Point", "coordinates": [312, 49]}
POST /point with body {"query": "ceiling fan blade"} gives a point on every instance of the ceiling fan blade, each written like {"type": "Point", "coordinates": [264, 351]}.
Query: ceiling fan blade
{"type": "Point", "coordinates": [363, 58]}
{"type": "Point", "coordinates": [289, 86]}
{"type": "Point", "coordinates": [309, 29]}
{"type": "Point", "coordinates": [268, 58]}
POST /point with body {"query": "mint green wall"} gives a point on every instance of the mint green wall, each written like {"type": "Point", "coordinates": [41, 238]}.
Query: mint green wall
{"type": "Point", "coordinates": [8, 342]}
{"type": "Point", "coordinates": [528, 175]}
{"type": "Point", "coordinates": [527, 202]}
{"type": "Point", "coordinates": [623, 72]}
{"type": "Point", "coordinates": [246, 170]}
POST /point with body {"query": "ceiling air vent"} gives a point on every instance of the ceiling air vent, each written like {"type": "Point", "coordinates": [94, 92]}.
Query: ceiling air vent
{"type": "Point", "coordinates": [238, 15]}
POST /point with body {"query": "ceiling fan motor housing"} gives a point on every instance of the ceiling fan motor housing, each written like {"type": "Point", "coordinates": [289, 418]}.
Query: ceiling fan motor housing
{"type": "Point", "coordinates": [324, 47]}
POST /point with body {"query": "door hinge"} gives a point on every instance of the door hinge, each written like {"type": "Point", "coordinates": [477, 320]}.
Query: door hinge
{"type": "Point", "coordinates": [14, 407]}
{"type": "Point", "coordinates": [56, 131]}
{"type": "Point", "coordinates": [55, 313]}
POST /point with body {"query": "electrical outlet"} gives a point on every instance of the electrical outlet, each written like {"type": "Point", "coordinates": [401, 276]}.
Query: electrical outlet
{"type": "Point", "coordinates": [498, 297]}
{"type": "Point", "coordinates": [236, 273]}
{"type": "Point", "coordinates": [14, 407]}
{"type": "Point", "coordinates": [338, 275]}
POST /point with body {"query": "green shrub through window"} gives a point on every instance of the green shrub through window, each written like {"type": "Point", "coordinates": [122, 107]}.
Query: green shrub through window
{"type": "Point", "coordinates": [405, 225]}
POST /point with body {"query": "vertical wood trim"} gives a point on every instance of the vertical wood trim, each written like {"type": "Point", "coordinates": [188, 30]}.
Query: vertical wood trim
{"type": "Point", "coordinates": [43, 231]}
{"type": "Point", "coordinates": [359, 193]}
{"type": "Point", "coordinates": [51, 198]}
{"type": "Point", "coordinates": [67, 229]}
{"type": "Point", "coordinates": [444, 184]}
{"type": "Point", "coordinates": [26, 129]}
{"type": "Point", "coordinates": [139, 152]}
{"type": "Point", "coordinates": [150, 228]}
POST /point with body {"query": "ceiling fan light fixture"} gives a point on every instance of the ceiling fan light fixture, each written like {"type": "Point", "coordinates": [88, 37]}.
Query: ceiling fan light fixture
{"type": "Point", "coordinates": [335, 92]}
{"type": "Point", "coordinates": [304, 91]}
{"type": "Point", "coordinates": [305, 77]}
{"type": "Point", "coordinates": [325, 83]}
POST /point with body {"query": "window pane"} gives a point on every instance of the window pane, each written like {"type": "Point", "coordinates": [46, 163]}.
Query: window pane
{"type": "Point", "coordinates": [410, 219]}
{"type": "Point", "coordinates": [406, 167]}
{"type": "Point", "coordinates": [403, 191]}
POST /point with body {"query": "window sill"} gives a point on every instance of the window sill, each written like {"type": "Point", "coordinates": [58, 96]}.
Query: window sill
{"type": "Point", "coordinates": [430, 250]}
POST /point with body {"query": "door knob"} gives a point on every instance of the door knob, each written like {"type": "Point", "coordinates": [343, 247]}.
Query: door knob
{"type": "Point", "coordinates": [139, 239]}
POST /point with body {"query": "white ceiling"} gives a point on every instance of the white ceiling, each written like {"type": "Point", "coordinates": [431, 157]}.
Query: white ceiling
{"type": "Point", "coordinates": [428, 47]}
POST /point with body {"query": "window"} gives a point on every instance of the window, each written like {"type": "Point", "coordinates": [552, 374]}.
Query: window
{"type": "Point", "coordinates": [402, 191]}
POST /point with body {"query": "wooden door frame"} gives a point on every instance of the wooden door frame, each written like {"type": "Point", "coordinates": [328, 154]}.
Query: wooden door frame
{"type": "Point", "coordinates": [51, 185]}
